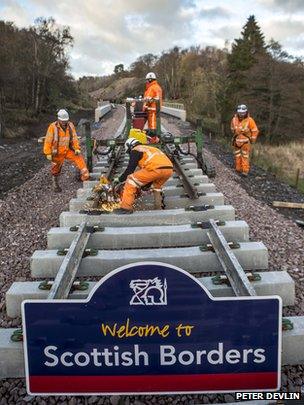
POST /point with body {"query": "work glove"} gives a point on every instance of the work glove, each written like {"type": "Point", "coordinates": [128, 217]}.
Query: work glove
{"type": "Point", "coordinates": [77, 152]}
{"type": "Point", "coordinates": [49, 157]}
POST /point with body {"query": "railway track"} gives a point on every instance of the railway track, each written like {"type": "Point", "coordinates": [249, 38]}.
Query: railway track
{"type": "Point", "coordinates": [196, 232]}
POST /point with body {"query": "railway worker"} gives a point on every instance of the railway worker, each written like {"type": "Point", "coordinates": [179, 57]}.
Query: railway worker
{"type": "Point", "coordinates": [153, 90]}
{"type": "Point", "coordinates": [245, 133]}
{"type": "Point", "coordinates": [61, 143]}
{"type": "Point", "coordinates": [155, 167]}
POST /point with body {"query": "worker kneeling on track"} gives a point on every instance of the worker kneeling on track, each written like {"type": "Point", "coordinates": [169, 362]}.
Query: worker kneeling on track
{"type": "Point", "coordinates": [245, 133]}
{"type": "Point", "coordinates": [155, 168]}
{"type": "Point", "coordinates": [61, 143]}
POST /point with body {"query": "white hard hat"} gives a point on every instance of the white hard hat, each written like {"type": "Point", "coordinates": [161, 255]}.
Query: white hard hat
{"type": "Point", "coordinates": [63, 115]}
{"type": "Point", "coordinates": [130, 143]}
{"type": "Point", "coordinates": [151, 75]}
{"type": "Point", "coordinates": [242, 109]}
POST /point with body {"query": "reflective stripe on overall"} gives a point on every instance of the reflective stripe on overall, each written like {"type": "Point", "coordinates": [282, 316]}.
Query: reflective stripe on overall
{"type": "Point", "coordinates": [61, 141]}
{"type": "Point", "coordinates": [155, 168]}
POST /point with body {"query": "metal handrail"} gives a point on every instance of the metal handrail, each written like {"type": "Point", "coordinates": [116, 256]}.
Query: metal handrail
{"type": "Point", "coordinates": [178, 106]}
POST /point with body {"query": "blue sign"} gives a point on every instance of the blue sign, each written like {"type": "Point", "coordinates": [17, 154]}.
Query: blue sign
{"type": "Point", "coordinates": [151, 328]}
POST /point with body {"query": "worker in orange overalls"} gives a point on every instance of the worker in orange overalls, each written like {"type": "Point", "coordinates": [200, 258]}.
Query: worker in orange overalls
{"type": "Point", "coordinates": [153, 90]}
{"type": "Point", "coordinates": [61, 143]}
{"type": "Point", "coordinates": [155, 167]}
{"type": "Point", "coordinates": [245, 133]}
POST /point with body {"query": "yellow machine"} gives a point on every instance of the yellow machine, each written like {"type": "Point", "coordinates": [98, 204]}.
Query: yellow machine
{"type": "Point", "coordinates": [139, 135]}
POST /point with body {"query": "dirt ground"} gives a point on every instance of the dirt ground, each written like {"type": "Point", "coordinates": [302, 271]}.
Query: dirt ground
{"type": "Point", "coordinates": [21, 158]}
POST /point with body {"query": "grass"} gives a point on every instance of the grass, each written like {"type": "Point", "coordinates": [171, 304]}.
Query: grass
{"type": "Point", "coordinates": [282, 160]}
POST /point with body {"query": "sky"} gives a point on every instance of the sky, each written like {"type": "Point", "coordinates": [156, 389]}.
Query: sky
{"type": "Point", "coordinates": [109, 32]}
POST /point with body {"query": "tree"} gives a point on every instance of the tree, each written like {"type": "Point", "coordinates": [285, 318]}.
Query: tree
{"type": "Point", "coordinates": [50, 61]}
{"type": "Point", "coordinates": [245, 53]}
{"type": "Point", "coordinates": [246, 49]}
{"type": "Point", "coordinates": [169, 72]}
{"type": "Point", "coordinates": [143, 65]}
{"type": "Point", "coordinates": [276, 94]}
{"type": "Point", "coordinates": [34, 69]}
{"type": "Point", "coordinates": [119, 68]}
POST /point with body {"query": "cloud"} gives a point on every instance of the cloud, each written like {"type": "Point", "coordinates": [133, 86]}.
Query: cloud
{"type": "Point", "coordinates": [227, 32]}
{"type": "Point", "coordinates": [296, 44]}
{"type": "Point", "coordinates": [11, 10]}
{"type": "Point", "coordinates": [287, 31]}
{"type": "Point", "coordinates": [281, 29]}
{"type": "Point", "coordinates": [288, 5]}
{"type": "Point", "coordinates": [214, 12]}
{"type": "Point", "coordinates": [107, 33]}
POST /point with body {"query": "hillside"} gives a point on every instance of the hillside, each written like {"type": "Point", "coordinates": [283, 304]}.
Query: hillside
{"type": "Point", "coordinates": [118, 89]}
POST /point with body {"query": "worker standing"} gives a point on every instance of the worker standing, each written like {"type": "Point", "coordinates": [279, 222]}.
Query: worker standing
{"type": "Point", "coordinates": [153, 91]}
{"type": "Point", "coordinates": [155, 167]}
{"type": "Point", "coordinates": [245, 133]}
{"type": "Point", "coordinates": [61, 143]}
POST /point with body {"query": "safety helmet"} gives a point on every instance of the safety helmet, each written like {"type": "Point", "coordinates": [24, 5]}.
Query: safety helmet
{"type": "Point", "coordinates": [242, 110]}
{"type": "Point", "coordinates": [63, 115]}
{"type": "Point", "coordinates": [151, 76]}
{"type": "Point", "coordinates": [130, 144]}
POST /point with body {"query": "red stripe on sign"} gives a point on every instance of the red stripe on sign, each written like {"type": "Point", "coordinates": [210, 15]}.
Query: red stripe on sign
{"type": "Point", "coordinates": [152, 383]}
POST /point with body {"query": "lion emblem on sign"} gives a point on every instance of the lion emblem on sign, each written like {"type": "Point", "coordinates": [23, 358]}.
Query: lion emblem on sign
{"type": "Point", "coordinates": [149, 292]}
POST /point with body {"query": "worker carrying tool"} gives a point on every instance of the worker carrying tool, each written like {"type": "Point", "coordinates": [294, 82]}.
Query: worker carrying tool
{"type": "Point", "coordinates": [61, 143]}
{"type": "Point", "coordinates": [245, 133]}
{"type": "Point", "coordinates": [155, 167]}
{"type": "Point", "coordinates": [153, 91]}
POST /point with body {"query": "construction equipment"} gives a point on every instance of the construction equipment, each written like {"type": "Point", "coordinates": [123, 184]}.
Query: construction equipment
{"type": "Point", "coordinates": [106, 197]}
{"type": "Point", "coordinates": [133, 114]}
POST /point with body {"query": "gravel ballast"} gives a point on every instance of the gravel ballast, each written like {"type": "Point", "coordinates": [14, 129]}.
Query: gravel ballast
{"type": "Point", "coordinates": [28, 212]}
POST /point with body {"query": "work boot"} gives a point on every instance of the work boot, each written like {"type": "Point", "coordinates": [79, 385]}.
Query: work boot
{"type": "Point", "coordinates": [122, 211]}
{"type": "Point", "coordinates": [56, 186]}
{"type": "Point", "coordinates": [158, 200]}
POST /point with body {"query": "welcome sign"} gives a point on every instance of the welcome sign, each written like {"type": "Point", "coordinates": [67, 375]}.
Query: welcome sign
{"type": "Point", "coordinates": [151, 328]}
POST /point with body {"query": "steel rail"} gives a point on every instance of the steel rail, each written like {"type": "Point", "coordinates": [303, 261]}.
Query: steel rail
{"type": "Point", "coordinates": [68, 269]}
{"type": "Point", "coordinates": [234, 271]}
{"type": "Point", "coordinates": [119, 134]}
{"type": "Point", "coordinates": [190, 189]}
{"type": "Point", "coordinates": [67, 272]}
{"type": "Point", "coordinates": [109, 173]}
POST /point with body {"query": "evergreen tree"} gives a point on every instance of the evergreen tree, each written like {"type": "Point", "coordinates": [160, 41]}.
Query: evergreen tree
{"type": "Point", "coordinates": [245, 52]}
{"type": "Point", "coordinates": [246, 49]}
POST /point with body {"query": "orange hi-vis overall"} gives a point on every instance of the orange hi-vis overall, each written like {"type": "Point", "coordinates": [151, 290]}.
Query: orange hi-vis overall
{"type": "Point", "coordinates": [153, 90]}
{"type": "Point", "coordinates": [155, 167]}
{"type": "Point", "coordinates": [61, 144]}
{"type": "Point", "coordinates": [245, 132]}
